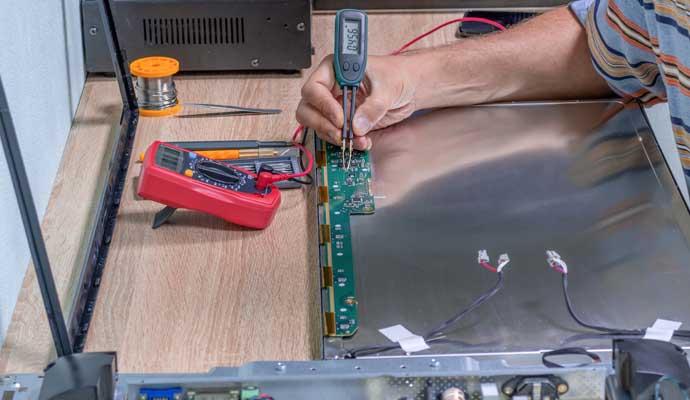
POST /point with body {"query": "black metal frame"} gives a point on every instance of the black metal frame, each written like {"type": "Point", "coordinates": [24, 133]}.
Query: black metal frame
{"type": "Point", "coordinates": [66, 342]}
{"type": "Point", "coordinates": [104, 225]}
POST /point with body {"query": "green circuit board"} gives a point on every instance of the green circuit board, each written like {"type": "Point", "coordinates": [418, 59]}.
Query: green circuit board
{"type": "Point", "coordinates": [341, 194]}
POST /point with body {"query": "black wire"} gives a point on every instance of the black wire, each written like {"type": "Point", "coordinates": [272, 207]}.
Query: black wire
{"type": "Point", "coordinates": [367, 350]}
{"type": "Point", "coordinates": [308, 178]}
{"type": "Point", "coordinates": [605, 336]}
{"type": "Point", "coordinates": [565, 351]}
{"type": "Point", "coordinates": [436, 335]}
{"type": "Point", "coordinates": [571, 311]}
{"type": "Point", "coordinates": [438, 331]}
{"type": "Point", "coordinates": [621, 333]}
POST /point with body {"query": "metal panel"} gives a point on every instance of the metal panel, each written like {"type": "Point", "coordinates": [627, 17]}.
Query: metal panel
{"type": "Point", "coordinates": [381, 379]}
{"type": "Point", "coordinates": [205, 35]}
{"type": "Point", "coordinates": [586, 179]}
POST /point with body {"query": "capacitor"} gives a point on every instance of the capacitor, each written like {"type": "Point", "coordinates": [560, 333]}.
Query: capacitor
{"type": "Point", "coordinates": [453, 394]}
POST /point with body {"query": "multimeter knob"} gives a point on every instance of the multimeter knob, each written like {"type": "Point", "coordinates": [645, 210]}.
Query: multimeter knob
{"type": "Point", "coordinates": [217, 172]}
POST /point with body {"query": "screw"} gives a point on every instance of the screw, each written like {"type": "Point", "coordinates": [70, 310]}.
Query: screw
{"type": "Point", "coordinates": [508, 390]}
{"type": "Point", "coordinates": [301, 26]}
{"type": "Point", "coordinates": [435, 363]}
{"type": "Point", "coordinates": [93, 31]}
{"type": "Point", "coordinates": [255, 62]}
{"type": "Point", "coordinates": [280, 367]}
{"type": "Point", "coordinates": [562, 388]}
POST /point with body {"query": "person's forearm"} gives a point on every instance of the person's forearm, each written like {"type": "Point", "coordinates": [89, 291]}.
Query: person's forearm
{"type": "Point", "coordinates": [546, 58]}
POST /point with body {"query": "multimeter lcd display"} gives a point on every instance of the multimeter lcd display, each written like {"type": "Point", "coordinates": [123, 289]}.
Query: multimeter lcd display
{"type": "Point", "coordinates": [351, 36]}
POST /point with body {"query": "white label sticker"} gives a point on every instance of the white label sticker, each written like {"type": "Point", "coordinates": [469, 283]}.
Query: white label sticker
{"type": "Point", "coordinates": [408, 341]}
{"type": "Point", "coordinates": [662, 330]}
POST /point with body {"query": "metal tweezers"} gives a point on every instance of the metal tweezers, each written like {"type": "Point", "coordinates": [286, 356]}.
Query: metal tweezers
{"type": "Point", "coordinates": [229, 110]}
{"type": "Point", "coordinates": [347, 138]}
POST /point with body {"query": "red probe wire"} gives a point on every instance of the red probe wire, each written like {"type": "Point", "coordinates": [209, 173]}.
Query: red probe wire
{"type": "Point", "coordinates": [443, 25]}
{"type": "Point", "coordinates": [266, 178]}
{"type": "Point", "coordinates": [307, 170]}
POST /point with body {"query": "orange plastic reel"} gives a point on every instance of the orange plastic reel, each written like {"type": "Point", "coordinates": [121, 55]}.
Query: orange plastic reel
{"type": "Point", "coordinates": [154, 67]}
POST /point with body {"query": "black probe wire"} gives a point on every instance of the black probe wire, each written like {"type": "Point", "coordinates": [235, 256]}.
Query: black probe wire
{"type": "Point", "coordinates": [308, 178]}
{"type": "Point", "coordinates": [614, 332]}
{"type": "Point", "coordinates": [437, 334]}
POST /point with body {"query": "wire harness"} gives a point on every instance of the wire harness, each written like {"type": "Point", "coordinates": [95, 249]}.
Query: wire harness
{"type": "Point", "coordinates": [556, 262]}
{"type": "Point", "coordinates": [437, 335]}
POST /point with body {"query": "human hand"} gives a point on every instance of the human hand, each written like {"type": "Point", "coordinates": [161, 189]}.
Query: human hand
{"type": "Point", "coordinates": [386, 96]}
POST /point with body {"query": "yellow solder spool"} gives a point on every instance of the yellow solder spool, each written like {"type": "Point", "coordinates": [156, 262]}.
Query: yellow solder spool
{"type": "Point", "coordinates": [155, 88]}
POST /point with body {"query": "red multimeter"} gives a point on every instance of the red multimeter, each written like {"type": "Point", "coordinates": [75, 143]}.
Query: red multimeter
{"type": "Point", "coordinates": [180, 178]}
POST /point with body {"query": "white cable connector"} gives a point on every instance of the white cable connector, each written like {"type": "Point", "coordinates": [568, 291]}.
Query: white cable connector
{"type": "Point", "coordinates": [554, 258]}
{"type": "Point", "coordinates": [483, 257]}
{"type": "Point", "coordinates": [503, 260]}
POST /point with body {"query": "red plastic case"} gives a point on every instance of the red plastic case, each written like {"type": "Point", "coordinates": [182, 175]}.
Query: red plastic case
{"type": "Point", "coordinates": [175, 189]}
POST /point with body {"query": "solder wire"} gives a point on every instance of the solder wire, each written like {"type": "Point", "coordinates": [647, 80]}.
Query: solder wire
{"type": "Point", "coordinates": [156, 93]}
{"type": "Point", "coordinates": [308, 180]}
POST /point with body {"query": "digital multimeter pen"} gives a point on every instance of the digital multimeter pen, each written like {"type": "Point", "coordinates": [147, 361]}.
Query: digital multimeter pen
{"type": "Point", "coordinates": [349, 63]}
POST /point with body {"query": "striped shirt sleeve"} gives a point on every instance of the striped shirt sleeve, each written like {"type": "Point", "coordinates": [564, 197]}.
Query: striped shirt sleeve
{"type": "Point", "coordinates": [642, 48]}
{"type": "Point", "coordinates": [621, 48]}
{"type": "Point", "coordinates": [580, 8]}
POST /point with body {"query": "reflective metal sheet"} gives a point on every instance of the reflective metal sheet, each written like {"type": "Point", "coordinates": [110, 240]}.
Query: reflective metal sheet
{"type": "Point", "coordinates": [584, 178]}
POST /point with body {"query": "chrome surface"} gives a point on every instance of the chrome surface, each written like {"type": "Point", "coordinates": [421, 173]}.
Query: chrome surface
{"type": "Point", "coordinates": [156, 93]}
{"type": "Point", "coordinates": [586, 179]}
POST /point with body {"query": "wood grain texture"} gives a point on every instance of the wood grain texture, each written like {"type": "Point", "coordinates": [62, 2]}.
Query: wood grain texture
{"type": "Point", "coordinates": [28, 346]}
{"type": "Point", "coordinates": [201, 293]}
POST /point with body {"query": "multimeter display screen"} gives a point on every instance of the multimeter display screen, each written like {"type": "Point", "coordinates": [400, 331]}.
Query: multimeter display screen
{"type": "Point", "coordinates": [351, 36]}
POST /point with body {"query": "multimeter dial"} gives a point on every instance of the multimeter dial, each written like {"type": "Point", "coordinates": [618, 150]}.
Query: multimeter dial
{"type": "Point", "coordinates": [218, 172]}
{"type": "Point", "coordinates": [350, 47]}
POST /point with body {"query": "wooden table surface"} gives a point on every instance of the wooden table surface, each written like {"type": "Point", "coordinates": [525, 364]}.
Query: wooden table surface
{"type": "Point", "coordinates": [198, 293]}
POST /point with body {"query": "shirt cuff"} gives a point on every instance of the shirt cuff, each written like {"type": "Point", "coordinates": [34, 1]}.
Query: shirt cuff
{"type": "Point", "coordinates": [580, 8]}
